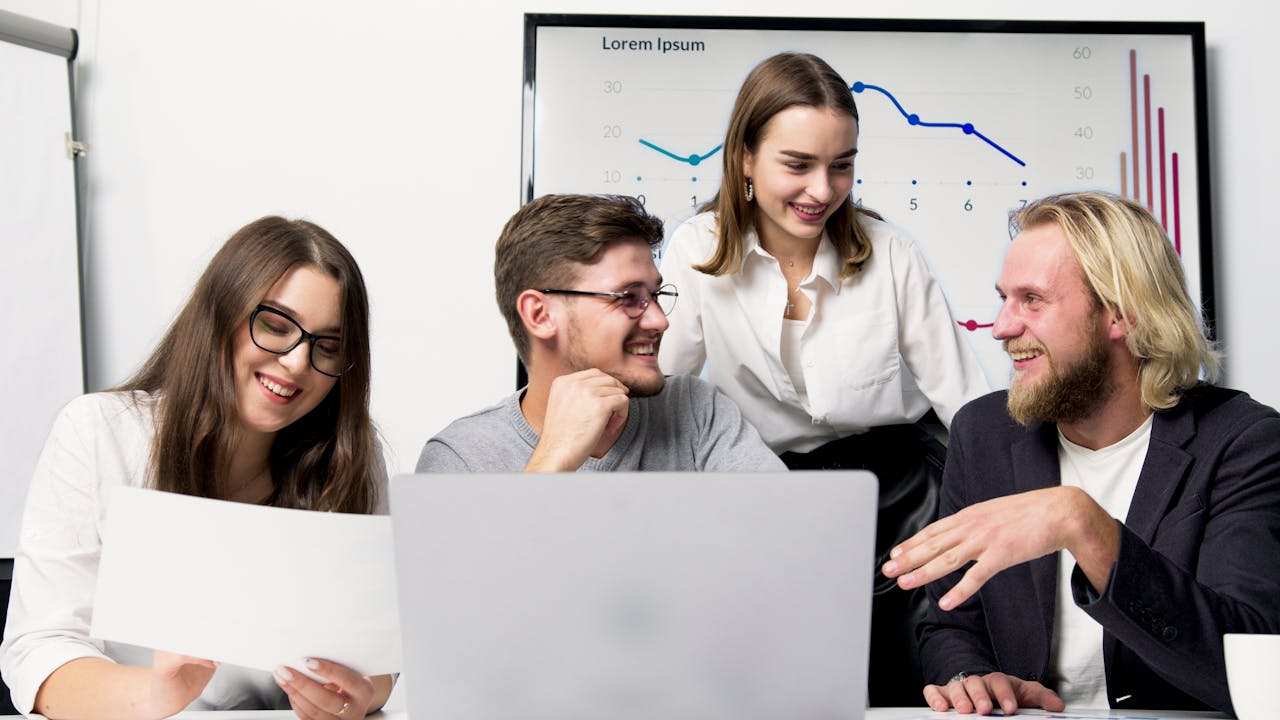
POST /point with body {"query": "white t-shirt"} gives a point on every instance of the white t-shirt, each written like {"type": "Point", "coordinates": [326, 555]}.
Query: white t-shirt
{"type": "Point", "coordinates": [1110, 476]}
{"type": "Point", "coordinates": [97, 442]}
{"type": "Point", "coordinates": [880, 347]}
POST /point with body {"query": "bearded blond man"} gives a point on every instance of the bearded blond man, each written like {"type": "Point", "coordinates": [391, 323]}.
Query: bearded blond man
{"type": "Point", "coordinates": [1109, 517]}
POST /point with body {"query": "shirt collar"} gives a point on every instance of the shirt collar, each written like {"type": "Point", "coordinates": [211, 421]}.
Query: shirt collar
{"type": "Point", "coordinates": [826, 264]}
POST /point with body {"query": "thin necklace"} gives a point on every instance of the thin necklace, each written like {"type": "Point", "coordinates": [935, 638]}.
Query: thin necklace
{"type": "Point", "coordinates": [252, 478]}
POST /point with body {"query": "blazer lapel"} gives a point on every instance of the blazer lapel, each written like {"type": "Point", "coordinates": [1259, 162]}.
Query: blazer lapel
{"type": "Point", "coordinates": [1163, 470]}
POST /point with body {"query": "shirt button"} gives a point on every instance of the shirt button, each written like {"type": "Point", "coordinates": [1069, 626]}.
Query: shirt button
{"type": "Point", "coordinates": [1170, 632]}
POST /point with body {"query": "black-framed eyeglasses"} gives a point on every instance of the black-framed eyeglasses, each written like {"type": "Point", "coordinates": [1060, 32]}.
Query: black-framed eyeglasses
{"type": "Point", "coordinates": [274, 331]}
{"type": "Point", "coordinates": [634, 300]}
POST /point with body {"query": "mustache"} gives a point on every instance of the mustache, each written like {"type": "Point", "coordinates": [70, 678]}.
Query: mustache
{"type": "Point", "coordinates": [1013, 346]}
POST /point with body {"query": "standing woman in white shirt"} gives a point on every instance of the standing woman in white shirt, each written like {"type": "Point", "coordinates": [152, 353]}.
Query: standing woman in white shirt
{"type": "Point", "coordinates": [820, 320]}
{"type": "Point", "coordinates": [258, 393]}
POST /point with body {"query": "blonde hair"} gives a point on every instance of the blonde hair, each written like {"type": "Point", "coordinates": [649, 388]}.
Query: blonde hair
{"type": "Point", "coordinates": [1133, 270]}
{"type": "Point", "coordinates": [780, 82]}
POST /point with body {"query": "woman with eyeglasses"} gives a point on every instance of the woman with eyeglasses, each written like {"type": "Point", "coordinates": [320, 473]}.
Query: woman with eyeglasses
{"type": "Point", "coordinates": [258, 393]}
{"type": "Point", "coordinates": [822, 321]}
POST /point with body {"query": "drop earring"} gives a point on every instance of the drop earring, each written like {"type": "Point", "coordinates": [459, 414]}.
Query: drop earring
{"type": "Point", "coordinates": [751, 190]}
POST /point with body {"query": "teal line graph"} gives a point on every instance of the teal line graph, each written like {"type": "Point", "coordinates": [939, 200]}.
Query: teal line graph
{"type": "Point", "coordinates": [694, 159]}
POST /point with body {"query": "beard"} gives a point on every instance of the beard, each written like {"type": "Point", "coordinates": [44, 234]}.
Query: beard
{"type": "Point", "coordinates": [638, 386]}
{"type": "Point", "coordinates": [1069, 394]}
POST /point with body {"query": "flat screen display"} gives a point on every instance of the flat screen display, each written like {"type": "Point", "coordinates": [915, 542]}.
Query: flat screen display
{"type": "Point", "coordinates": [960, 123]}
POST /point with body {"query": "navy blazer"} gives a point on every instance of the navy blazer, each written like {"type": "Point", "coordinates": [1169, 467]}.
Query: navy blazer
{"type": "Point", "coordinates": [1199, 553]}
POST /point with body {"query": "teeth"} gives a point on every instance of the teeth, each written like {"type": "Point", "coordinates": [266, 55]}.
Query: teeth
{"type": "Point", "coordinates": [1024, 354]}
{"type": "Point", "coordinates": [277, 389]}
{"type": "Point", "coordinates": [815, 212]}
{"type": "Point", "coordinates": [641, 349]}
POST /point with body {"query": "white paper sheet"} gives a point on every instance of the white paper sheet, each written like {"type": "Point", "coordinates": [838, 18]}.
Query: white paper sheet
{"type": "Point", "coordinates": [247, 585]}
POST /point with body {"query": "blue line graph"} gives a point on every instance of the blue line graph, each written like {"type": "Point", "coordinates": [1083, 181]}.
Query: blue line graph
{"type": "Point", "coordinates": [694, 159]}
{"type": "Point", "coordinates": [914, 119]}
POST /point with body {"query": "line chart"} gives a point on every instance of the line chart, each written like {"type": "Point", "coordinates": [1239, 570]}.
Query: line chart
{"type": "Point", "coordinates": [972, 325]}
{"type": "Point", "coordinates": [694, 159]}
{"type": "Point", "coordinates": [913, 119]}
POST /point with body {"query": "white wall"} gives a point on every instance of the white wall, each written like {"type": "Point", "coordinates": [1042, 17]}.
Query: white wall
{"type": "Point", "coordinates": [396, 125]}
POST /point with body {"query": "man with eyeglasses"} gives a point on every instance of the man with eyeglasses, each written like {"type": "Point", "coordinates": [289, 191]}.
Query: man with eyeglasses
{"type": "Point", "coordinates": [586, 308]}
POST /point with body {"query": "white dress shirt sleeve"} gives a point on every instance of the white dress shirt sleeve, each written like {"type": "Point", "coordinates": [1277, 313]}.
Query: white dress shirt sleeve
{"type": "Point", "coordinates": [56, 569]}
{"type": "Point", "coordinates": [933, 347]}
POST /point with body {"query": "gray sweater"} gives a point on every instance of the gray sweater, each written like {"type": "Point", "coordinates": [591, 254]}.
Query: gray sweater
{"type": "Point", "coordinates": [688, 426]}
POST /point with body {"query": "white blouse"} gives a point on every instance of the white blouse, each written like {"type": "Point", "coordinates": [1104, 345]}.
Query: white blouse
{"type": "Point", "coordinates": [98, 441]}
{"type": "Point", "coordinates": [880, 348]}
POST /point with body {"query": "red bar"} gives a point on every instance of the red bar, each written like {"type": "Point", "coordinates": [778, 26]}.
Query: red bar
{"type": "Point", "coordinates": [1124, 176]}
{"type": "Point", "coordinates": [1146, 102]}
{"type": "Point", "coordinates": [1177, 217]}
{"type": "Point", "coordinates": [1133, 115]}
{"type": "Point", "coordinates": [1160, 117]}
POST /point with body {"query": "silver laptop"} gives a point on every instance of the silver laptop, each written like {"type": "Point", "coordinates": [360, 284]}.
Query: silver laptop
{"type": "Point", "coordinates": [612, 596]}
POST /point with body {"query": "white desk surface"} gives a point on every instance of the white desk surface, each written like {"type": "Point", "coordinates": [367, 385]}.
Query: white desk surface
{"type": "Point", "coordinates": [872, 714]}
{"type": "Point", "coordinates": [925, 714]}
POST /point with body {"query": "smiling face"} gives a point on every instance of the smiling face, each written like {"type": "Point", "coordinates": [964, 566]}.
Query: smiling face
{"type": "Point", "coordinates": [273, 391]}
{"type": "Point", "coordinates": [1053, 330]}
{"type": "Point", "coordinates": [601, 335]}
{"type": "Point", "coordinates": [802, 170]}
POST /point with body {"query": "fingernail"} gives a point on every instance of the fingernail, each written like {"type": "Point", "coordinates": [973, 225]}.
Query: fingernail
{"type": "Point", "coordinates": [282, 674]}
{"type": "Point", "coordinates": [313, 664]}
{"type": "Point", "coordinates": [946, 603]}
{"type": "Point", "coordinates": [890, 567]}
{"type": "Point", "coordinates": [895, 552]}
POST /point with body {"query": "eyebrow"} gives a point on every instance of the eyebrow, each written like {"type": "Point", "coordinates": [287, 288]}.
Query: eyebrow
{"type": "Point", "coordinates": [330, 330]}
{"type": "Point", "coordinates": [1024, 288]}
{"type": "Point", "coordinates": [809, 156]}
{"type": "Point", "coordinates": [641, 283]}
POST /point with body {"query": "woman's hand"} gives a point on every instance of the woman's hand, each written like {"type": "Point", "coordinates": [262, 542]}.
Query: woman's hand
{"type": "Point", "coordinates": [177, 680]}
{"type": "Point", "coordinates": [347, 694]}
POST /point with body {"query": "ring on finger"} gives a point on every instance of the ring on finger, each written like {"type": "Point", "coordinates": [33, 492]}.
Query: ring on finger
{"type": "Point", "coordinates": [345, 707]}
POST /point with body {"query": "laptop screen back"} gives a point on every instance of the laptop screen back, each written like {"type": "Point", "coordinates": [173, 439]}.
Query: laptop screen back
{"type": "Point", "coordinates": [646, 595]}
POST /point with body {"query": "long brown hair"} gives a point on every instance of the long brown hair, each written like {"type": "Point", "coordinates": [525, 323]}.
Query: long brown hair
{"type": "Point", "coordinates": [779, 82]}
{"type": "Point", "coordinates": [324, 460]}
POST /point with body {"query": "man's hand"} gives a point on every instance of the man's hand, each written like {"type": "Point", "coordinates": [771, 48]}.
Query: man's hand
{"type": "Point", "coordinates": [586, 411]}
{"type": "Point", "coordinates": [1004, 532]}
{"type": "Point", "coordinates": [984, 693]}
